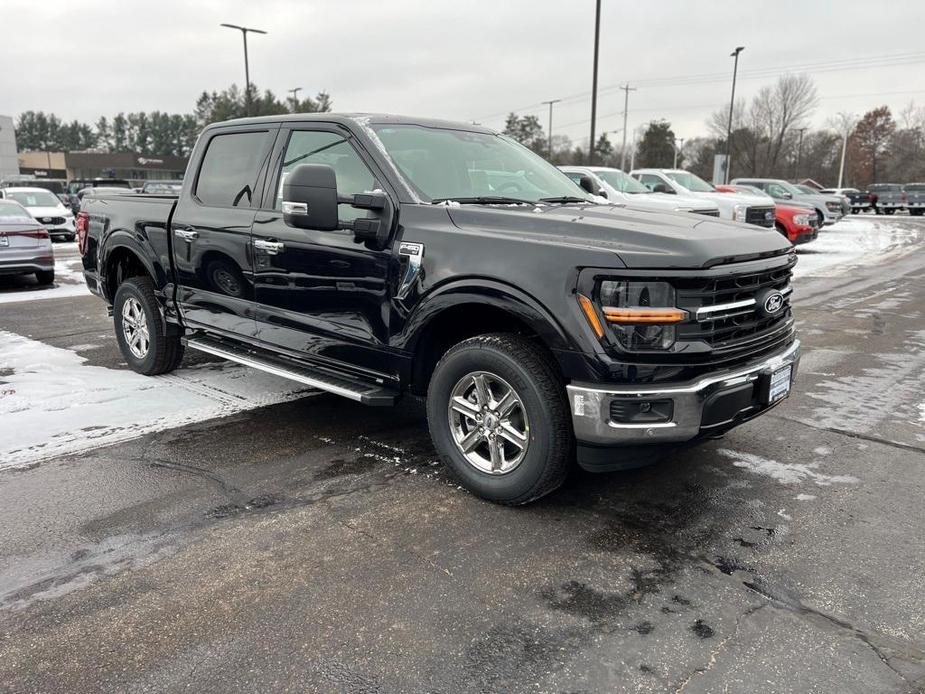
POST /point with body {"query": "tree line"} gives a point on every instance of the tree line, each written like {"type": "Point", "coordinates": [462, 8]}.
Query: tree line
{"type": "Point", "coordinates": [156, 132]}
{"type": "Point", "coordinates": [771, 138]}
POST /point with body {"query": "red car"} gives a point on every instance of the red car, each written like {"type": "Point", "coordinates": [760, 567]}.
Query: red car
{"type": "Point", "coordinates": [798, 224]}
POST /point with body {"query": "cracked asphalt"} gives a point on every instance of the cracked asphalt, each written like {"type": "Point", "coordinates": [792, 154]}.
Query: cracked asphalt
{"type": "Point", "coordinates": [314, 545]}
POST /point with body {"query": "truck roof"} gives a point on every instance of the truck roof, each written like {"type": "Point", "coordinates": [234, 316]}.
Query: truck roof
{"type": "Point", "coordinates": [348, 119]}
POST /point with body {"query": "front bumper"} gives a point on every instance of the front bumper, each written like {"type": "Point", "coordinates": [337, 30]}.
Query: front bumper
{"type": "Point", "coordinates": [713, 403]}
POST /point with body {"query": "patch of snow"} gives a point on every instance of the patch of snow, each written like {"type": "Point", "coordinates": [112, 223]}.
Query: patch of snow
{"type": "Point", "coordinates": [822, 450]}
{"type": "Point", "coordinates": [52, 403]}
{"type": "Point", "coordinates": [785, 516]}
{"type": "Point", "coordinates": [805, 497]}
{"type": "Point", "coordinates": [69, 281]}
{"type": "Point", "coordinates": [857, 240]}
{"type": "Point", "coordinates": [785, 473]}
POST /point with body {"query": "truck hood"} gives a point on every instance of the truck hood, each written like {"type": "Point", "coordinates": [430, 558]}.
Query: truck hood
{"type": "Point", "coordinates": [726, 200]}
{"type": "Point", "coordinates": [667, 201]}
{"type": "Point", "coordinates": [638, 239]}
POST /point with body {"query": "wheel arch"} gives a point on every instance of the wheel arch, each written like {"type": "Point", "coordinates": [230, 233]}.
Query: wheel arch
{"type": "Point", "coordinates": [124, 257]}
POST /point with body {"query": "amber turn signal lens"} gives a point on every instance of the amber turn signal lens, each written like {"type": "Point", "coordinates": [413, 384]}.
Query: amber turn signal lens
{"type": "Point", "coordinates": [587, 307]}
{"type": "Point", "coordinates": [653, 316]}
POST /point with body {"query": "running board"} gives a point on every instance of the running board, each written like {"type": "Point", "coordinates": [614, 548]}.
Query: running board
{"type": "Point", "coordinates": [366, 393]}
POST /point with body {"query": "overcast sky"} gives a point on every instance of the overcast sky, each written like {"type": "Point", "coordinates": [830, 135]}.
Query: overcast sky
{"type": "Point", "coordinates": [462, 60]}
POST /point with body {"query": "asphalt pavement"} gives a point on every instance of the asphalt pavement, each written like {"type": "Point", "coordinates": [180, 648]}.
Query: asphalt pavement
{"type": "Point", "coordinates": [315, 545]}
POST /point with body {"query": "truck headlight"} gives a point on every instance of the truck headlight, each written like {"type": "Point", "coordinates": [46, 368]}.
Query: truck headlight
{"type": "Point", "coordinates": [642, 315]}
{"type": "Point", "coordinates": [739, 212]}
{"type": "Point", "coordinates": [801, 219]}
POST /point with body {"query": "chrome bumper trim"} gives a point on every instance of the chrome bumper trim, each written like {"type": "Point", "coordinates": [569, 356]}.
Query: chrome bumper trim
{"type": "Point", "coordinates": [590, 404]}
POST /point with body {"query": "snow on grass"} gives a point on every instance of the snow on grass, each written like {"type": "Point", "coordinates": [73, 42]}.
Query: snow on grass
{"type": "Point", "coordinates": [785, 473]}
{"type": "Point", "coordinates": [52, 403]}
{"type": "Point", "coordinates": [857, 240]}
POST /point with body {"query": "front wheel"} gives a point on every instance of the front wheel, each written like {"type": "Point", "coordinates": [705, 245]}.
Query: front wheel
{"type": "Point", "coordinates": [499, 418]}
{"type": "Point", "coordinates": [140, 329]}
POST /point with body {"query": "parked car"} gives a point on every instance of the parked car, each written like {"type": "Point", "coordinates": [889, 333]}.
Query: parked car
{"type": "Point", "coordinates": [75, 185]}
{"type": "Point", "coordinates": [748, 209]}
{"type": "Point", "coordinates": [915, 198]}
{"type": "Point", "coordinates": [25, 246]}
{"type": "Point", "coordinates": [828, 208]}
{"type": "Point", "coordinates": [171, 187]}
{"type": "Point", "coordinates": [839, 198]}
{"type": "Point", "coordinates": [616, 185]}
{"type": "Point", "coordinates": [858, 201]}
{"type": "Point", "coordinates": [887, 198]}
{"type": "Point", "coordinates": [46, 208]}
{"type": "Point", "coordinates": [374, 260]}
{"type": "Point", "coordinates": [798, 222]}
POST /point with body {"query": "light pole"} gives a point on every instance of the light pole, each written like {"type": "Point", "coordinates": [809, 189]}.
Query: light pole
{"type": "Point", "coordinates": [796, 174]}
{"type": "Point", "coordinates": [597, 41]}
{"type": "Point", "coordinates": [247, 74]}
{"type": "Point", "coordinates": [732, 103]}
{"type": "Point", "coordinates": [550, 103]}
{"type": "Point", "coordinates": [678, 143]}
{"type": "Point", "coordinates": [846, 121]}
{"type": "Point", "coordinates": [626, 109]}
{"type": "Point", "coordinates": [295, 97]}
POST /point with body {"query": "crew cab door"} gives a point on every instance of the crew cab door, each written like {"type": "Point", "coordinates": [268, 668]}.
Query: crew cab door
{"type": "Point", "coordinates": [320, 294]}
{"type": "Point", "coordinates": [211, 230]}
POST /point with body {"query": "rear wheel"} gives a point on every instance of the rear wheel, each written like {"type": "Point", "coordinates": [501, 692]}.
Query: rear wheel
{"type": "Point", "coordinates": [45, 276]}
{"type": "Point", "coordinates": [140, 329]}
{"type": "Point", "coordinates": [499, 419]}
{"type": "Point", "coordinates": [916, 212]}
{"type": "Point", "coordinates": [889, 210]}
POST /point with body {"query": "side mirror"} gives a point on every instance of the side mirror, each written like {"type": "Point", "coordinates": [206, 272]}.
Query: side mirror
{"type": "Point", "coordinates": [603, 193]}
{"type": "Point", "coordinates": [786, 196]}
{"type": "Point", "coordinates": [586, 184]}
{"type": "Point", "coordinates": [310, 198]}
{"type": "Point", "coordinates": [662, 188]}
{"type": "Point", "coordinates": [310, 201]}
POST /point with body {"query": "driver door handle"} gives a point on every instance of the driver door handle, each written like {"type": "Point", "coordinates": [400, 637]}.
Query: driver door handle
{"type": "Point", "coordinates": [270, 247]}
{"type": "Point", "coordinates": [186, 233]}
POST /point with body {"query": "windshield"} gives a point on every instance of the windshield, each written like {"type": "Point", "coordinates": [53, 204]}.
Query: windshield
{"type": "Point", "coordinates": [442, 164]}
{"type": "Point", "coordinates": [621, 181]}
{"type": "Point", "coordinates": [915, 188]}
{"type": "Point", "coordinates": [690, 181]}
{"type": "Point", "coordinates": [11, 212]}
{"type": "Point", "coordinates": [34, 198]}
{"type": "Point", "coordinates": [807, 190]}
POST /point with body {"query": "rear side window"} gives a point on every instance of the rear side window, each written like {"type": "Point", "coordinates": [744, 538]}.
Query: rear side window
{"type": "Point", "coordinates": [230, 168]}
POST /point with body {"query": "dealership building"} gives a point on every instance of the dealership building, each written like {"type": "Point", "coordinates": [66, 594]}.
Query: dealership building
{"type": "Point", "coordinates": [9, 164]}
{"type": "Point", "coordinates": [70, 165]}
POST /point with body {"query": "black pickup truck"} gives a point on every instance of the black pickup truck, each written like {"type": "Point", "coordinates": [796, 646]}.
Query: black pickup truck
{"type": "Point", "coordinates": [378, 256]}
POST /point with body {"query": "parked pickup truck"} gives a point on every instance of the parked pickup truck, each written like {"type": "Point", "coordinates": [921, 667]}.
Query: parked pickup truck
{"type": "Point", "coordinates": [886, 198]}
{"type": "Point", "coordinates": [376, 256]}
{"type": "Point", "coordinates": [915, 198]}
{"type": "Point", "coordinates": [858, 201]}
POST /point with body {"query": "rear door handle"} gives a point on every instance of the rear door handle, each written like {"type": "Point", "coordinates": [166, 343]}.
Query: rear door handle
{"type": "Point", "coordinates": [271, 247]}
{"type": "Point", "coordinates": [186, 233]}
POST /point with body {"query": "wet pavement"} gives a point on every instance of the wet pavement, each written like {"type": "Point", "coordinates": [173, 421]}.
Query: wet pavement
{"type": "Point", "coordinates": [314, 544]}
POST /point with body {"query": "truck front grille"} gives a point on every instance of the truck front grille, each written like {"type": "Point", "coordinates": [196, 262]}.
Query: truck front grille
{"type": "Point", "coordinates": [708, 212]}
{"type": "Point", "coordinates": [760, 216]}
{"type": "Point", "coordinates": [727, 313]}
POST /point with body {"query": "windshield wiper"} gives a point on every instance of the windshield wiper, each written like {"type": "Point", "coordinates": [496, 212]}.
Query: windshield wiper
{"type": "Point", "coordinates": [484, 200]}
{"type": "Point", "coordinates": [565, 199]}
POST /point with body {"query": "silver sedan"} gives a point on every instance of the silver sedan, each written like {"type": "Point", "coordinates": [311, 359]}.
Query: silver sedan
{"type": "Point", "coordinates": [25, 245]}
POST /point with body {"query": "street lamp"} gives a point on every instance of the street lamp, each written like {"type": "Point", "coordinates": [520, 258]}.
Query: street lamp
{"type": "Point", "coordinates": [796, 174]}
{"type": "Point", "coordinates": [597, 41]}
{"type": "Point", "coordinates": [732, 103]}
{"type": "Point", "coordinates": [247, 74]}
{"type": "Point", "coordinates": [295, 97]}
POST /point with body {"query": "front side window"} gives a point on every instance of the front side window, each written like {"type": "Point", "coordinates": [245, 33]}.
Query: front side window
{"type": "Point", "coordinates": [333, 149]}
{"type": "Point", "coordinates": [650, 180]}
{"type": "Point", "coordinates": [444, 164]}
{"type": "Point", "coordinates": [622, 182]}
{"type": "Point", "coordinates": [230, 168]}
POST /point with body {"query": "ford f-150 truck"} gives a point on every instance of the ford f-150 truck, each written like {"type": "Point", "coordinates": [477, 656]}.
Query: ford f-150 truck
{"type": "Point", "coordinates": [379, 256]}
{"type": "Point", "coordinates": [915, 198]}
{"type": "Point", "coordinates": [886, 198]}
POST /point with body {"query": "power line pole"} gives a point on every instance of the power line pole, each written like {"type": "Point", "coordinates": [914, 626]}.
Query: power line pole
{"type": "Point", "coordinates": [847, 122]}
{"type": "Point", "coordinates": [678, 143]}
{"type": "Point", "coordinates": [796, 174]}
{"type": "Point", "coordinates": [626, 109]}
{"type": "Point", "coordinates": [247, 73]}
{"type": "Point", "coordinates": [551, 102]}
{"type": "Point", "coordinates": [597, 41]}
{"type": "Point", "coordinates": [732, 103]}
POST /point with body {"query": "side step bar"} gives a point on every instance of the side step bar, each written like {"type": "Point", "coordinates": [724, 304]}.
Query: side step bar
{"type": "Point", "coordinates": [366, 393]}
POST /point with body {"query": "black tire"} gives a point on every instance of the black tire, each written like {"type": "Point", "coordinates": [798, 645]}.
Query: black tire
{"type": "Point", "coordinates": [916, 212]}
{"type": "Point", "coordinates": [164, 352]}
{"type": "Point", "coordinates": [532, 374]}
{"type": "Point", "coordinates": [889, 210]}
{"type": "Point", "coordinates": [45, 276]}
{"type": "Point", "coordinates": [71, 237]}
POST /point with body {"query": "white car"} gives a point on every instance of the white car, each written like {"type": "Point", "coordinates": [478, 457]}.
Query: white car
{"type": "Point", "coordinates": [617, 186]}
{"type": "Point", "coordinates": [739, 208]}
{"type": "Point", "coordinates": [46, 208]}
